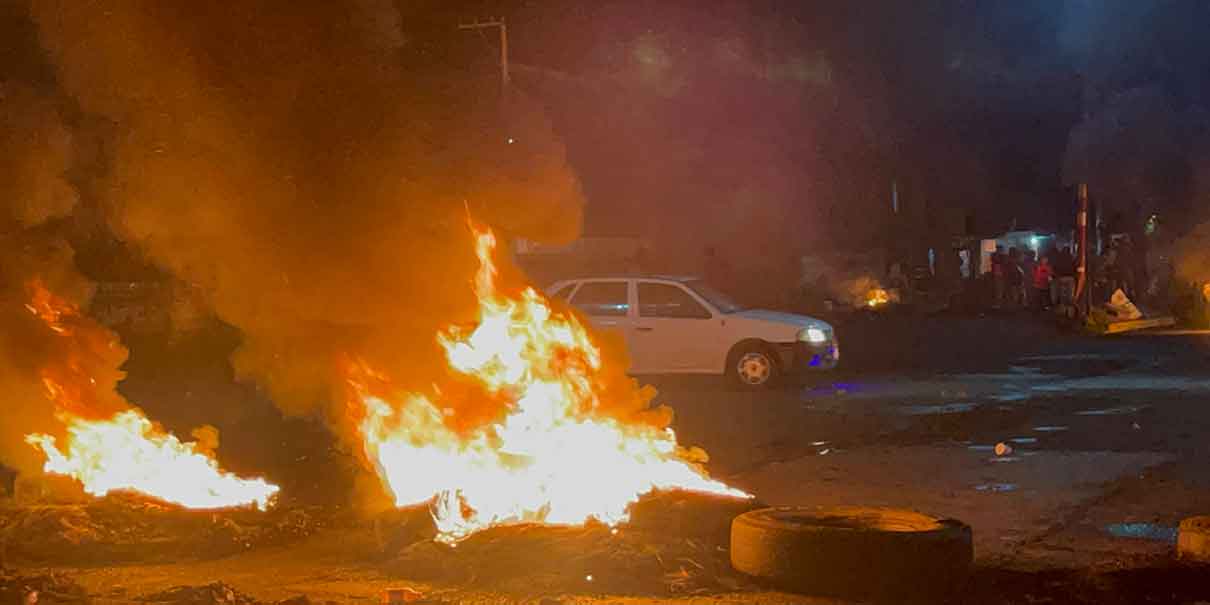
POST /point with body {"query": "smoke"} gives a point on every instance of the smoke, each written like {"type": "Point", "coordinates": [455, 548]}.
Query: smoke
{"type": "Point", "coordinates": [35, 202]}
{"type": "Point", "coordinates": [1191, 256]}
{"type": "Point", "coordinates": [299, 164]}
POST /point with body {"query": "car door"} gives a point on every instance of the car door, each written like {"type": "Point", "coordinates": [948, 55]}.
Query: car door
{"type": "Point", "coordinates": [673, 331]}
{"type": "Point", "coordinates": [607, 305]}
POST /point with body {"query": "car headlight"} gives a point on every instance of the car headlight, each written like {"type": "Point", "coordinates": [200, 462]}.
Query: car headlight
{"type": "Point", "coordinates": [813, 335]}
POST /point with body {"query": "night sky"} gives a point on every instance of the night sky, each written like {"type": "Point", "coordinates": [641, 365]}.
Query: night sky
{"type": "Point", "coordinates": [670, 106]}
{"type": "Point", "coordinates": [800, 115]}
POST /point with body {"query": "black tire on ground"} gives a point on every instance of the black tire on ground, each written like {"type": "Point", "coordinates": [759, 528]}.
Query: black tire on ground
{"type": "Point", "coordinates": [854, 552]}
{"type": "Point", "coordinates": [753, 366]}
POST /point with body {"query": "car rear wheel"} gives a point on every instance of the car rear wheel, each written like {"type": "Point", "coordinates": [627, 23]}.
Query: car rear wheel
{"type": "Point", "coordinates": [753, 367]}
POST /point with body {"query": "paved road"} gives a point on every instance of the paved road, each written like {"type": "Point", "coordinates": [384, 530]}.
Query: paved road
{"type": "Point", "coordinates": [1109, 437]}
{"type": "Point", "coordinates": [1109, 443]}
{"type": "Point", "coordinates": [1105, 432]}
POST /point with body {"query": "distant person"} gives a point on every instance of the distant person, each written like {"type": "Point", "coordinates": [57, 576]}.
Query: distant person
{"type": "Point", "coordinates": [898, 280]}
{"type": "Point", "coordinates": [1042, 276]}
{"type": "Point", "coordinates": [1063, 286]}
{"type": "Point", "coordinates": [999, 277]}
{"type": "Point", "coordinates": [1109, 276]}
{"type": "Point", "coordinates": [1014, 278]}
{"type": "Point", "coordinates": [1141, 267]}
{"type": "Point", "coordinates": [1126, 263]}
{"type": "Point", "coordinates": [1029, 261]}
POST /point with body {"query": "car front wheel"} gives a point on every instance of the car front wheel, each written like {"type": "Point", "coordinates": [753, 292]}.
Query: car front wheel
{"type": "Point", "coordinates": [753, 367]}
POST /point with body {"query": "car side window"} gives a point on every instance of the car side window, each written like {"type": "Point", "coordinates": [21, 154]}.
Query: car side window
{"type": "Point", "coordinates": [564, 292]}
{"type": "Point", "coordinates": [663, 300]}
{"type": "Point", "coordinates": [602, 299]}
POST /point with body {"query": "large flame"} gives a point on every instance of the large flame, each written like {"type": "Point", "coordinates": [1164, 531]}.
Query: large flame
{"type": "Point", "coordinates": [127, 452]}
{"type": "Point", "coordinates": [108, 450]}
{"type": "Point", "coordinates": [552, 457]}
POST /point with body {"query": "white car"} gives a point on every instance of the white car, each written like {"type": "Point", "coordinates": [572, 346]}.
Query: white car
{"type": "Point", "coordinates": [680, 325]}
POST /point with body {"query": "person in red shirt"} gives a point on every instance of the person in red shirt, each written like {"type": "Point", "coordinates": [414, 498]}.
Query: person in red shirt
{"type": "Point", "coordinates": [1043, 273]}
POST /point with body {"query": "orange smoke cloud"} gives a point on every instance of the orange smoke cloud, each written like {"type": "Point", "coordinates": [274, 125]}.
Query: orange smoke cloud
{"type": "Point", "coordinates": [303, 166]}
{"type": "Point", "coordinates": [35, 152]}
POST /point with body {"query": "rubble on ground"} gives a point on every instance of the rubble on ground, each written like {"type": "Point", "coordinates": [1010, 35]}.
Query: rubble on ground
{"type": "Point", "coordinates": [299, 600]}
{"type": "Point", "coordinates": [40, 588]}
{"type": "Point", "coordinates": [215, 593]}
{"type": "Point", "coordinates": [129, 528]}
{"type": "Point", "coordinates": [676, 544]}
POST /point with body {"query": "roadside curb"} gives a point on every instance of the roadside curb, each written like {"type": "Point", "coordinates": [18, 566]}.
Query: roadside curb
{"type": "Point", "coordinates": [1119, 327]}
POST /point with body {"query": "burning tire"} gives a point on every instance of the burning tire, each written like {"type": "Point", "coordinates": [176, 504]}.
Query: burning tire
{"type": "Point", "coordinates": [753, 366]}
{"type": "Point", "coordinates": [853, 551]}
{"type": "Point", "coordinates": [1193, 540]}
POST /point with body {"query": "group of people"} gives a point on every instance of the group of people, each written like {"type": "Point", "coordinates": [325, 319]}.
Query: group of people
{"type": "Point", "coordinates": [1122, 266]}
{"type": "Point", "coordinates": [1021, 280]}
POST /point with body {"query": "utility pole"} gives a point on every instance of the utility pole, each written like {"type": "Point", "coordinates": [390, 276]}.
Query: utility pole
{"type": "Point", "coordinates": [497, 22]}
{"type": "Point", "coordinates": [1083, 294]}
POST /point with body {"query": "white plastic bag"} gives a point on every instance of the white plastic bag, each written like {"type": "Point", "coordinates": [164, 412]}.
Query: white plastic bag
{"type": "Point", "coordinates": [1121, 307]}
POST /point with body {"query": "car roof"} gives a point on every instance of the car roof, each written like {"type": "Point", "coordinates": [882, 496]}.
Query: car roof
{"type": "Point", "coordinates": [620, 276]}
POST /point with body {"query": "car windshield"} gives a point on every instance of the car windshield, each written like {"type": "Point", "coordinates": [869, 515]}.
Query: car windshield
{"type": "Point", "coordinates": [717, 299]}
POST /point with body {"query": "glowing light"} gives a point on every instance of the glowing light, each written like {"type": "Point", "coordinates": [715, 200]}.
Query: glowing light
{"type": "Point", "coordinates": [127, 452]}
{"type": "Point", "coordinates": [552, 458]}
{"type": "Point", "coordinates": [107, 450]}
{"type": "Point", "coordinates": [815, 335]}
{"type": "Point", "coordinates": [877, 297]}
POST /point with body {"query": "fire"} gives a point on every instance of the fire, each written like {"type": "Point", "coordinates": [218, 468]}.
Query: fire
{"type": "Point", "coordinates": [552, 458]}
{"type": "Point", "coordinates": [877, 297]}
{"type": "Point", "coordinates": [127, 452]}
{"type": "Point", "coordinates": [112, 446]}
{"type": "Point", "coordinates": [866, 292]}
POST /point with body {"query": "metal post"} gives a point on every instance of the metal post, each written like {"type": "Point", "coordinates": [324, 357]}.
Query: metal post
{"type": "Point", "coordinates": [1083, 284]}
{"type": "Point", "coordinates": [504, 79]}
